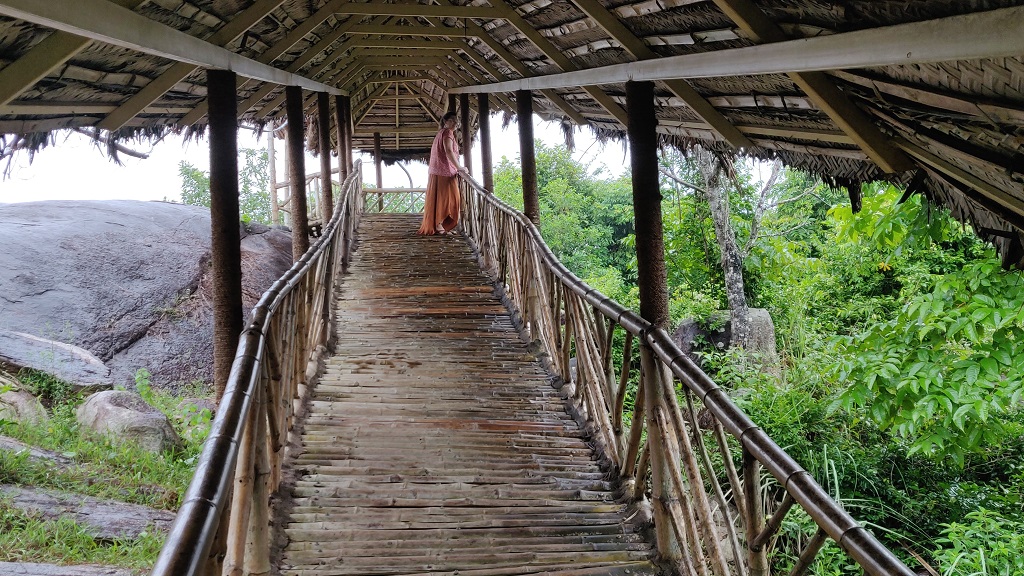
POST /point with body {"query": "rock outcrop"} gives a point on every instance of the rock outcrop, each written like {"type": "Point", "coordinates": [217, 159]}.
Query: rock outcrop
{"type": "Point", "coordinates": [21, 406]}
{"type": "Point", "coordinates": [125, 416]}
{"type": "Point", "coordinates": [125, 281]}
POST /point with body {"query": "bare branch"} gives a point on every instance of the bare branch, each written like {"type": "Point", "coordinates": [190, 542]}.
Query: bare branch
{"type": "Point", "coordinates": [675, 179]}
{"type": "Point", "coordinates": [112, 145]}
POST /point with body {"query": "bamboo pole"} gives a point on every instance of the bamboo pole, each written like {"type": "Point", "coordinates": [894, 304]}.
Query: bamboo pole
{"type": "Point", "coordinates": [241, 500]}
{"type": "Point", "coordinates": [758, 560]}
{"type": "Point", "coordinates": [257, 543]}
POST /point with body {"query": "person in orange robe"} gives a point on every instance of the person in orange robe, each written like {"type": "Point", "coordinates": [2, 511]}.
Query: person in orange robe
{"type": "Point", "coordinates": [441, 209]}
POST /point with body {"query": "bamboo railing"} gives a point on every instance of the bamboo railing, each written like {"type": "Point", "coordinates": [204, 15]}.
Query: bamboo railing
{"type": "Point", "coordinates": [395, 200]}
{"type": "Point", "coordinates": [223, 525]}
{"type": "Point", "coordinates": [708, 518]}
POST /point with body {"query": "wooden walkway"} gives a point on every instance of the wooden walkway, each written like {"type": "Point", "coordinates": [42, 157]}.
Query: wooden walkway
{"type": "Point", "coordinates": [435, 443]}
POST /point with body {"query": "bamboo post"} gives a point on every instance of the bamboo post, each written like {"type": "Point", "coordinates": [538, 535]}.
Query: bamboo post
{"type": "Point", "coordinates": [323, 106]}
{"type": "Point", "coordinates": [225, 246]}
{"type": "Point", "coordinates": [275, 210]}
{"type": "Point", "coordinates": [524, 110]}
{"type": "Point", "coordinates": [257, 544]}
{"type": "Point", "coordinates": [486, 161]}
{"type": "Point", "coordinates": [297, 171]}
{"type": "Point", "coordinates": [661, 476]}
{"type": "Point", "coordinates": [377, 164]}
{"type": "Point", "coordinates": [467, 133]}
{"type": "Point", "coordinates": [758, 560]}
{"type": "Point", "coordinates": [241, 500]}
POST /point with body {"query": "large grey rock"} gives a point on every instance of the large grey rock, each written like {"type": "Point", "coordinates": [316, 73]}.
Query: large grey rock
{"type": "Point", "coordinates": [67, 362]}
{"type": "Point", "coordinates": [717, 332]}
{"type": "Point", "coordinates": [103, 519]}
{"type": "Point", "coordinates": [21, 406]}
{"type": "Point", "coordinates": [127, 281]}
{"type": "Point", "coordinates": [126, 417]}
{"type": "Point", "coordinates": [39, 569]}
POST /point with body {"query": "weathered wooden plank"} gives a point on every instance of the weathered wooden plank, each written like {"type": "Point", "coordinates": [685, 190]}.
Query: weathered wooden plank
{"type": "Point", "coordinates": [435, 441]}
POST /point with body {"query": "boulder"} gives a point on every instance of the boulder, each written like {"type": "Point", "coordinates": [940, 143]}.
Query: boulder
{"type": "Point", "coordinates": [103, 519]}
{"type": "Point", "coordinates": [21, 406]}
{"type": "Point", "coordinates": [126, 281]}
{"type": "Point", "coordinates": [76, 366]}
{"type": "Point", "coordinates": [717, 332]}
{"type": "Point", "coordinates": [127, 417]}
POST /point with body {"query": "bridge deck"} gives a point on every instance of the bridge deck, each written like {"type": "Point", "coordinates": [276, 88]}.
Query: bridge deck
{"type": "Point", "coordinates": [435, 443]}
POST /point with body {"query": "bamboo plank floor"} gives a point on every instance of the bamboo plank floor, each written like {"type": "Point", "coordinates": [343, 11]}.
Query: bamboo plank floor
{"type": "Point", "coordinates": [435, 443]}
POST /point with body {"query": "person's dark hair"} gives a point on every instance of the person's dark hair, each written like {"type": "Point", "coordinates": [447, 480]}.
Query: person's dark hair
{"type": "Point", "coordinates": [448, 116]}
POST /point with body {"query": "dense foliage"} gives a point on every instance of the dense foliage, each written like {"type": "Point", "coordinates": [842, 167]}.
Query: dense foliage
{"type": "Point", "coordinates": [253, 195]}
{"type": "Point", "coordinates": [901, 344]}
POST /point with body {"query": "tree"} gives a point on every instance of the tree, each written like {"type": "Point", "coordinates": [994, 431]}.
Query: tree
{"type": "Point", "coordinates": [253, 197]}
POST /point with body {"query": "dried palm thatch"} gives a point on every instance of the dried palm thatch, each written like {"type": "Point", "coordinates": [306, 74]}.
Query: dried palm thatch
{"type": "Point", "coordinates": [960, 122]}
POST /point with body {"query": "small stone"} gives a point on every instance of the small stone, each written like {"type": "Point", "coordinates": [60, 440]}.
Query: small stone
{"type": "Point", "coordinates": [126, 416]}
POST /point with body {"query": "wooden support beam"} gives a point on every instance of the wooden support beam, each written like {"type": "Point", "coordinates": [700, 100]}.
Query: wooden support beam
{"type": "Point", "coordinates": [635, 46]}
{"type": "Point", "coordinates": [486, 161]}
{"type": "Point", "coordinates": [511, 60]}
{"type": "Point", "coordinates": [467, 133]}
{"type": "Point", "coordinates": [275, 51]}
{"type": "Point", "coordinates": [426, 10]}
{"type": "Point", "coordinates": [822, 90]}
{"type": "Point", "coordinates": [377, 159]}
{"type": "Point", "coordinates": [527, 156]}
{"type": "Point", "coordinates": [106, 22]}
{"type": "Point", "coordinates": [179, 70]}
{"type": "Point", "coordinates": [363, 107]}
{"type": "Point", "coordinates": [556, 56]}
{"type": "Point", "coordinates": [341, 133]}
{"type": "Point", "coordinates": [408, 44]}
{"type": "Point", "coordinates": [296, 146]}
{"type": "Point", "coordinates": [225, 246]}
{"type": "Point", "coordinates": [45, 57]}
{"type": "Point", "coordinates": [323, 109]}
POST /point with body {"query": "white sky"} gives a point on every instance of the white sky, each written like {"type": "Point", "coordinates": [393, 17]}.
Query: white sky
{"type": "Point", "coordinates": [75, 169]}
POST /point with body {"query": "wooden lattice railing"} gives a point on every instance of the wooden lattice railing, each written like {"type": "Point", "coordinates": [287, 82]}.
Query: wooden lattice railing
{"type": "Point", "coordinates": [708, 518]}
{"type": "Point", "coordinates": [395, 200]}
{"type": "Point", "coordinates": [223, 525]}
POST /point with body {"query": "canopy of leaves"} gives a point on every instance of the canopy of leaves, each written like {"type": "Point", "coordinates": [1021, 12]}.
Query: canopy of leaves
{"type": "Point", "coordinates": [253, 192]}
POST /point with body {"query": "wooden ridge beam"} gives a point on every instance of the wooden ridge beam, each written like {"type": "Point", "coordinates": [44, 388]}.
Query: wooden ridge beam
{"type": "Point", "coordinates": [45, 57]}
{"type": "Point", "coordinates": [426, 10]}
{"type": "Point", "coordinates": [635, 46]}
{"type": "Point", "coordinates": [821, 89]}
{"type": "Point", "coordinates": [107, 22]}
{"type": "Point", "coordinates": [179, 70]}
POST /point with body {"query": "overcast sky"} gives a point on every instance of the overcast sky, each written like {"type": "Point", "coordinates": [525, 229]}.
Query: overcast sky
{"type": "Point", "coordinates": [76, 169]}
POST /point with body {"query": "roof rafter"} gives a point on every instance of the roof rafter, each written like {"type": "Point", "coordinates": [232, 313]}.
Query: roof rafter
{"type": "Point", "coordinates": [179, 71]}
{"type": "Point", "coordinates": [43, 58]}
{"type": "Point", "coordinates": [274, 52]}
{"type": "Point", "coordinates": [635, 46]}
{"type": "Point", "coordinates": [561, 60]}
{"type": "Point", "coordinates": [428, 10]}
{"type": "Point", "coordinates": [821, 89]}
{"type": "Point", "coordinates": [106, 22]}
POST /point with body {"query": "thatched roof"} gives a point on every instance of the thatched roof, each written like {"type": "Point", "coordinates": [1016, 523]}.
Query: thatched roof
{"type": "Point", "coordinates": [952, 127]}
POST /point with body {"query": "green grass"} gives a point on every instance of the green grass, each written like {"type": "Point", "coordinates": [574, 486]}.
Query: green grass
{"type": "Point", "coordinates": [28, 538]}
{"type": "Point", "coordinates": [102, 468]}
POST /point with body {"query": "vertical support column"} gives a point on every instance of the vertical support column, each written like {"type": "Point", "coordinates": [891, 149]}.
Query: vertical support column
{"type": "Point", "coordinates": [225, 247]}
{"type": "Point", "coordinates": [341, 126]}
{"type": "Point", "coordinates": [651, 278]}
{"type": "Point", "coordinates": [297, 171]}
{"type": "Point", "coordinates": [486, 161]}
{"type": "Point", "coordinates": [467, 134]}
{"type": "Point", "coordinates": [275, 209]}
{"type": "Point", "coordinates": [452, 103]}
{"type": "Point", "coordinates": [350, 130]}
{"type": "Point", "coordinates": [524, 110]}
{"type": "Point", "coordinates": [380, 175]}
{"type": "Point", "coordinates": [323, 108]}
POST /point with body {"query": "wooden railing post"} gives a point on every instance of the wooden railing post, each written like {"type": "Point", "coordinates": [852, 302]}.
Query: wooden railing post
{"type": "Point", "coordinates": [757, 560]}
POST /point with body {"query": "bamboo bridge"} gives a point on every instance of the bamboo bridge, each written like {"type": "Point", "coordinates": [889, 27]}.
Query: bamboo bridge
{"type": "Point", "coordinates": [451, 405]}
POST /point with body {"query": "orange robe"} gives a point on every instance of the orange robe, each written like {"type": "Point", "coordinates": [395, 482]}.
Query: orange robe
{"type": "Point", "coordinates": [441, 209]}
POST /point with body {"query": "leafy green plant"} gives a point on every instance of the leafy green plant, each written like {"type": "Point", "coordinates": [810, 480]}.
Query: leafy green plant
{"type": "Point", "coordinates": [984, 544]}
{"type": "Point", "coordinates": [942, 371]}
{"type": "Point", "coordinates": [253, 195]}
{"type": "Point", "coordinates": [50, 389]}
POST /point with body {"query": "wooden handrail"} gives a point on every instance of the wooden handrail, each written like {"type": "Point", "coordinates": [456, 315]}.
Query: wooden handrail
{"type": "Point", "coordinates": [690, 507]}
{"type": "Point", "coordinates": [222, 527]}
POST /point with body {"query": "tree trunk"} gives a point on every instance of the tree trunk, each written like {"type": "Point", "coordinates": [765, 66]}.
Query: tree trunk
{"type": "Point", "coordinates": [717, 193]}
